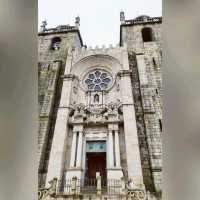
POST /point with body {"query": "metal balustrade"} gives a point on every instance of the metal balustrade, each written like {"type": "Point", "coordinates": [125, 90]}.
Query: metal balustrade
{"type": "Point", "coordinates": [92, 186]}
{"type": "Point", "coordinates": [106, 188]}
{"type": "Point", "coordinates": [141, 21]}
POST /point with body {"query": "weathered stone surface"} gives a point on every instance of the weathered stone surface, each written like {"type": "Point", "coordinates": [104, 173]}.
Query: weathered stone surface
{"type": "Point", "coordinates": [131, 105]}
{"type": "Point", "coordinates": [145, 61]}
{"type": "Point", "coordinates": [50, 69]}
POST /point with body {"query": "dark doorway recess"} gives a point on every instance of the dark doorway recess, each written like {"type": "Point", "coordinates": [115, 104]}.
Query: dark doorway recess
{"type": "Point", "coordinates": [96, 162]}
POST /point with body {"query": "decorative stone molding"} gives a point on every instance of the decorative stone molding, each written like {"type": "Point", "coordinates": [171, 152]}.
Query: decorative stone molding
{"type": "Point", "coordinates": [79, 112]}
{"type": "Point", "coordinates": [136, 194]}
{"type": "Point", "coordinates": [44, 192]}
{"type": "Point", "coordinates": [69, 77]}
{"type": "Point", "coordinates": [79, 109]}
{"type": "Point", "coordinates": [113, 108]}
{"type": "Point", "coordinates": [96, 113]}
{"type": "Point", "coordinates": [58, 29]}
{"type": "Point", "coordinates": [123, 73]}
{"type": "Point", "coordinates": [143, 20]}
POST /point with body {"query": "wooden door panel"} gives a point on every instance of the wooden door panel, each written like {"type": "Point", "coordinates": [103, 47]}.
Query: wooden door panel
{"type": "Point", "coordinates": [96, 162]}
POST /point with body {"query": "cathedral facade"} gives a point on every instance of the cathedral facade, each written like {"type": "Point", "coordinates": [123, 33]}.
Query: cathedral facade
{"type": "Point", "coordinates": [100, 113]}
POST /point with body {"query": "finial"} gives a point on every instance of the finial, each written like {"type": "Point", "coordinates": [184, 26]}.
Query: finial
{"type": "Point", "coordinates": [77, 21]}
{"type": "Point", "coordinates": [43, 26]}
{"type": "Point", "coordinates": [122, 17]}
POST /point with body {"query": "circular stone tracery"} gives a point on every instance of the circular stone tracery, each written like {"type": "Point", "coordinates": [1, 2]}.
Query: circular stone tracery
{"type": "Point", "coordinates": [98, 80]}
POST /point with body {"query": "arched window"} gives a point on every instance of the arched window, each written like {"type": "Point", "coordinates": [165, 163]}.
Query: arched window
{"type": "Point", "coordinates": [147, 34]}
{"type": "Point", "coordinates": [55, 43]}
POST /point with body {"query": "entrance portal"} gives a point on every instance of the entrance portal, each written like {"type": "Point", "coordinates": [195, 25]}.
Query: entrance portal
{"type": "Point", "coordinates": [96, 162]}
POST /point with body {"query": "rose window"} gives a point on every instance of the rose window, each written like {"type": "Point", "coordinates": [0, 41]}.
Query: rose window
{"type": "Point", "coordinates": [98, 80]}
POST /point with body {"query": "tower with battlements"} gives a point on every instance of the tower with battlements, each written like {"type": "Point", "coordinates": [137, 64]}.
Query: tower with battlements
{"type": "Point", "coordinates": [100, 113]}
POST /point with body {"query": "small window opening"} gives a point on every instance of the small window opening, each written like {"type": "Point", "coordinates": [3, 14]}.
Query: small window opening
{"type": "Point", "coordinates": [76, 150]}
{"type": "Point", "coordinates": [156, 91]}
{"type": "Point", "coordinates": [147, 34]}
{"type": "Point", "coordinates": [160, 123]}
{"type": "Point", "coordinates": [55, 43]}
{"type": "Point", "coordinates": [154, 62]}
{"type": "Point", "coordinates": [114, 156]}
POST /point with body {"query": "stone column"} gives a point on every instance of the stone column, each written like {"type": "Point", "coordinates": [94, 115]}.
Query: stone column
{"type": "Point", "coordinates": [57, 154]}
{"type": "Point", "coordinates": [76, 153]}
{"type": "Point", "coordinates": [130, 129]}
{"type": "Point", "coordinates": [113, 172]}
{"type": "Point", "coordinates": [110, 149]}
{"type": "Point", "coordinates": [79, 149]}
{"type": "Point", "coordinates": [117, 151]}
{"type": "Point", "coordinates": [73, 149]}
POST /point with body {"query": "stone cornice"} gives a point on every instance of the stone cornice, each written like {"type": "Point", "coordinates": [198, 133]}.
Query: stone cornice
{"type": "Point", "coordinates": [142, 20]}
{"type": "Point", "coordinates": [61, 30]}
{"type": "Point", "coordinates": [69, 77]}
{"type": "Point", "coordinates": [105, 122]}
{"type": "Point", "coordinates": [123, 73]}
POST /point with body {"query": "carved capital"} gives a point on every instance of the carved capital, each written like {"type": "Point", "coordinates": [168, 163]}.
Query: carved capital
{"type": "Point", "coordinates": [113, 108]}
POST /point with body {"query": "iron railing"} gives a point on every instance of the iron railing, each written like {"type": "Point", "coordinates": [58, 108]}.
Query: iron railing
{"type": "Point", "coordinates": [141, 20]}
{"type": "Point", "coordinates": [92, 186]}
{"type": "Point", "coordinates": [109, 189]}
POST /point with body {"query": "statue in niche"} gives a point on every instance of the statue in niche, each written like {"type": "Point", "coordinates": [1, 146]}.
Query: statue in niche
{"type": "Point", "coordinates": [96, 98]}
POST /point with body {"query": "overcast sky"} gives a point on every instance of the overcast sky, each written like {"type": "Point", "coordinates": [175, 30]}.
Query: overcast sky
{"type": "Point", "coordinates": [99, 19]}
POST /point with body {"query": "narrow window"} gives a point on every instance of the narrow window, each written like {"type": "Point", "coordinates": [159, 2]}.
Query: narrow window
{"type": "Point", "coordinates": [160, 123]}
{"type": "Point", "coordinates": [76, 149]}
{"type": "Point", "coordinates": [55, 43]}
{"type": "Point", "coordinates": [114, 156]}
{"type": "Point", "coordinates": [154, 62]}
{"type": "Point", "coordinates": [147, 34]}
{"type": "Point", "coordinates": [156, 91]}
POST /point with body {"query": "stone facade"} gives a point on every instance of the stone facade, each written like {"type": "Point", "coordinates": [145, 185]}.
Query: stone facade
{"type": "Point", "coordinates": [104, 102]}
{"type": "Point", "coordinates": [145, 62]}
{"type": "Point", "coordinates": [50, 70]}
